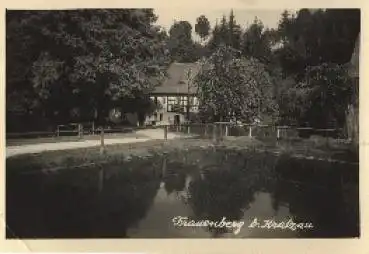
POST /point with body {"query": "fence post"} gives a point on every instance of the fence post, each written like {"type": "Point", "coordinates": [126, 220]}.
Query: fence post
{"type": "Point", "coordinates": [80, 130]}
{"type": "Point", "coordinates": [57, 131]}
{"type": "Point", "coordinates": [206, 130]}
{"type": "Point", "coordinates": [102, 145]}
{"type": "Point", "coordinates": [226, 130]}
{"type": "Point", "coordinates": [93, 128]}
{"type": "Point", "coordinates": [214, 132]}
{"type": "Point", "coordinates": [326, 138]}
{"type": "Point", "coordinates": [165, 132]}
{"type": "Point", "coordinates": [250, 131]}
{"type": "Point", "coordinates": [278, 134]}
{"type": "Point", "coordinates": [188, 129]}
{"type": "Point", "coordinates": [221, 134]}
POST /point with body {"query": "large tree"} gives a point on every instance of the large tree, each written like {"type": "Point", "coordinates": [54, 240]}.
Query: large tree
{"type": "Point", "coordinates": [232, 86]}
{"type": "Point", "coordinates": [314, 37]}
{"type": "Point", "coordinates": [181, 46]}
{"type": "Point", "coordinates": [226, 33]}
{"type": "Point", "coordinates": [331, 92]}
{"type": "Point", "coordinates": [256, 42]}
{"type": "Point", "coordinates": [87, 59]}
{"type": "Point", "coordinates": [202, 27]}
{"type": "Point", "coordinates": [234, 32]}
{"type": "Point", "coordinates": [316, 45]}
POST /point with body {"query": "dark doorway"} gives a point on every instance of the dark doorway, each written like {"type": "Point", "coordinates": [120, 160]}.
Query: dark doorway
{"type": "Point", "coordinates": [177, 120]}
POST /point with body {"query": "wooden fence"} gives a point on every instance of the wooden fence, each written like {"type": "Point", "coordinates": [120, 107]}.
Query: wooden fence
{"type": "Point", "coordinates": [215, 131]}
{"type": "Point", "coordinates": [219, 129]}
{"type": "Point", "coordinates": [72, 129]}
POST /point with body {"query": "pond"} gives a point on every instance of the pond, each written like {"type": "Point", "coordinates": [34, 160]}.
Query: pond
{"type": "Point", "coordinates": [199, 193]}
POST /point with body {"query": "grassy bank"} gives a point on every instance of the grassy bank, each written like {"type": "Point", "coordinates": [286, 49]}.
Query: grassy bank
{"type": "Point", "coordinates": [75, 157]}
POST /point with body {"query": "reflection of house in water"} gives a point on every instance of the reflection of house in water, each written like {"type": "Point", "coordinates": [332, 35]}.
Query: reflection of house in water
{"type": "Point", "coordinates": [175, 95]}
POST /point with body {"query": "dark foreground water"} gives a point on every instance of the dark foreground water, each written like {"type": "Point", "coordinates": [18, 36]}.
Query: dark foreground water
{"type": "Point", "coordinates": [189, 194]}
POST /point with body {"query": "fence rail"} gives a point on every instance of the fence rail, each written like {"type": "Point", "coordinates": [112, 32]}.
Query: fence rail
{"type": "Point", "coordinates": [260, 131]}
{"type": "Point", "coordinates": [202, 130]}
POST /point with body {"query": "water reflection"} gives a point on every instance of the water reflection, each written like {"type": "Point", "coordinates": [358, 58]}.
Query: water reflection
{"type": "Point", "coordinates": [318, 193]}
{"type": "Point", "coordinates": [220, 194]}
{"type": "Point", "coordinates": [140, 198]}
{"type": "Point", "coordinates": [68, 203]}
{"type": "Point", "coordinates": [174, 177]}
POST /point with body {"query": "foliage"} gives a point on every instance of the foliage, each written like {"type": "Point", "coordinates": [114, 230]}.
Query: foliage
{"type": "Point", "coordinates": [257, 43]}
{"type": "Point", "coordinates": [82, 58]}
{"type": "Point", "coordinates": [229, 85]}
{"type": "Point", "coordinates": [202, 27]}
{"type": "Point", "coordinates": [316, 45]}
{"type": "Point", "coordinates": [226, 33]}
{"type": "Point", "coordinates": [331, 92]}
{"type": "Point", "coordinates": [293, 103]}
{"type": "Point", "coordinates": [89, 61]}
{"type": "Point", "coordinates": [311, 38]}
{"type": "Point", "coordinates": [320, 100]}
{"type": "Point", "coordinates": [180, 43]}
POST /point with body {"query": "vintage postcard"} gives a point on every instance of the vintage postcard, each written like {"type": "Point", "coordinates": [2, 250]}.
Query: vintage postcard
{"type": "Point", "coordinates": [156, 127]}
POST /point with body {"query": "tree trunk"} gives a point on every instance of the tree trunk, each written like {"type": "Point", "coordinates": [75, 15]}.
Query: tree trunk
{"type": "Point", "coordinates": [352, 124]}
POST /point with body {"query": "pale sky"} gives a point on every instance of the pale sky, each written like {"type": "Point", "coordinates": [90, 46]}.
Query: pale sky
{"type": "Point", "coordinates": [269, 17]}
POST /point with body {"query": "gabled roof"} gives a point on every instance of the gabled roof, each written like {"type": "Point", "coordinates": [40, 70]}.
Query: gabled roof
{"type": "Point", "coordinates": [177, 82]}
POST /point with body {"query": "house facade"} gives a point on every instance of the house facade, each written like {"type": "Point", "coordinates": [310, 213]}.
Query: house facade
{"type": "Point", "coordinates": [176, 96]}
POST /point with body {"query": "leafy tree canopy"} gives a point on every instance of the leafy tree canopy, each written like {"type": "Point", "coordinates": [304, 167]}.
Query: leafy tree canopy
{"type": "Point", "coordinates": [233, 86]}
{"type": "Point", "coordinates": [202, 27]}
{"type": "Point", "coordinates": [57, 60]}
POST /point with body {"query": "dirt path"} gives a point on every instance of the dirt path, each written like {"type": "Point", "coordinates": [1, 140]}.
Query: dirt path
{"type": "Point", "coordinates": [144, 135]}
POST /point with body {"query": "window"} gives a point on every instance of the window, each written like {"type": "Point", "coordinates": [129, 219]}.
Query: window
{"type": "Point", "coordinates": [176, 104]}
{"type": "Point", "coordinates": [171, 102]}
{"type": "Point", "coordinates": [183, 101]}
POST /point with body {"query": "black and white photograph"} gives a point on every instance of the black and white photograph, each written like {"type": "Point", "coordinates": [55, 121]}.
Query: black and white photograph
{"type": "Point", "coordinates": [146, 123]}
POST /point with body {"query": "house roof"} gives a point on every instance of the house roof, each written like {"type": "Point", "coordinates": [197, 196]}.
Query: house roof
{"type": "Point", "coordinates": [177, 81]}
{"type": "Point", "coordinates": [354, 63]}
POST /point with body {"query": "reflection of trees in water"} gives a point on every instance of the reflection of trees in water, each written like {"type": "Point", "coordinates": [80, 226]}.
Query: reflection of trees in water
{"type": "Point", "coordinates": [312, 190]}
{"type": "Point", "coordinates": [220, 194]}
{"type": "Point", "coordinates": [175, 176]}
{"type": "Point", "coordinates": [67, 203]}
{"type": "Point", "coordinates": [228, 188]}
{"type": "Point", "coordinates": [127, 198]}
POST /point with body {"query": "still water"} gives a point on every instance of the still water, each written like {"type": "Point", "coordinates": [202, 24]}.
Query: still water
{"type": "Point", "coordinates": [200, 193]}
